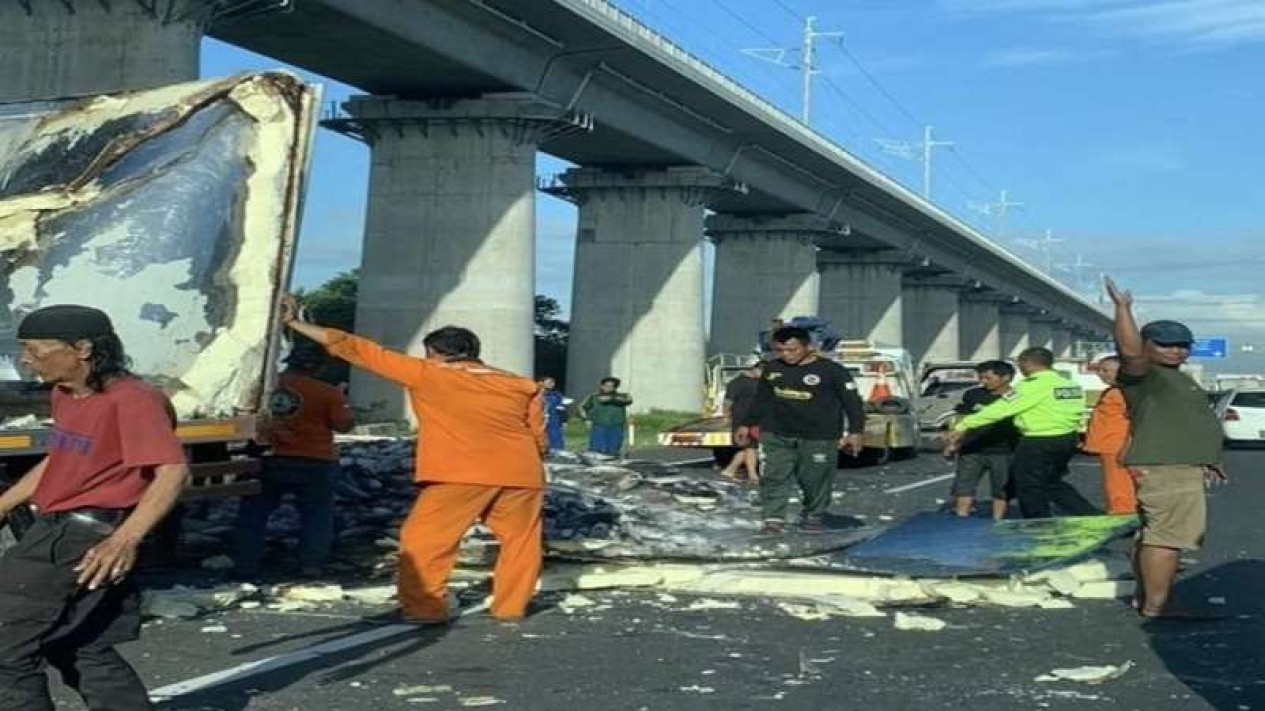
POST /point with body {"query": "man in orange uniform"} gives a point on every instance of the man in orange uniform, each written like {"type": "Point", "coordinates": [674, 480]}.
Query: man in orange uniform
{"type": "Point", "coordinates": [1107, 435]}
{"type": "Point", "coordinates": [480, 443]}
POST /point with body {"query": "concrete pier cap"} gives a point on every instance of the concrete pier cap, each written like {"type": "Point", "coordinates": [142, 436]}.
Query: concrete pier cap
{"type": "Point", "coordinates": [766, 267]}
{"type": "Point", "coordinates": [861, 293]}
{"type": "Point", "coordinates": [637, 299]}
{"type": "Point", "coordinates": [450, 230]}
{"type": "Point", "coordinates": [53, 49]}
{"type": "Point", "coordinates": [1041, 329]}
{"type": "Point", "coordinates": [981, 325]}
{"type": "Point", "coordinates": [932, 311]}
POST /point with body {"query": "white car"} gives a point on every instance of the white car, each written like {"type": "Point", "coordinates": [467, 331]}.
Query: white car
{"type": "Point", "coordinates": [1243, 416]}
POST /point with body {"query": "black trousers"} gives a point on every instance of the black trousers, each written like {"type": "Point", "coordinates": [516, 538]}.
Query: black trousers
{"type": "Point", "coordinates": [47, 619]}
{"type": "Point", "coordinates": [1038, 470]}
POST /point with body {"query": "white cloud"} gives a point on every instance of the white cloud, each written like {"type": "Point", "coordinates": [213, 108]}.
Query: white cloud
{"type": "Point", "coordinates": [1155, 158]}
{"type": "Point", "coordinates": [1238, 317]}
{"type": "Point", "coordinates": [1041, 56]}
{"type": "Point", "coordinates": [1187, 24]}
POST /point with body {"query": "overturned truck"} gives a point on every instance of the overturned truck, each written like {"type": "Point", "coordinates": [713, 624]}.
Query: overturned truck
{"type": "Point", "coordinates": [174, 210]}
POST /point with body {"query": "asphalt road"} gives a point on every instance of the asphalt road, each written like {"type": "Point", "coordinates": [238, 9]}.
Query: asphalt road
{"type": "Point", "coordinates": [635, 651]}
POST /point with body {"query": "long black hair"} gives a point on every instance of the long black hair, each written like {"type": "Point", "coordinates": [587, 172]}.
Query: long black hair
{"type": "Point", "coordinates": [107, 362]}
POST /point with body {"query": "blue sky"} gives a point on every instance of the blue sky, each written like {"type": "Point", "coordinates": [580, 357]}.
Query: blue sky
{"type": "Point", "coordinates": [1132, 128]}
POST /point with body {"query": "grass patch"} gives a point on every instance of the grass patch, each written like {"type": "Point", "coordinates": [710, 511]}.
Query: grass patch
{"type": "Point", "coordinates": [648, 426]}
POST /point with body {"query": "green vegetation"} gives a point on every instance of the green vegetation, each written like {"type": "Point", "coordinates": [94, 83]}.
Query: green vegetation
{"type": "Point", "coordinates": [647, 424]}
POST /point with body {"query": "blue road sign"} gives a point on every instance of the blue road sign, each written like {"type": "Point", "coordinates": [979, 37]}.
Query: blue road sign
{"type": "Point", "coordinates": [1216, 347]}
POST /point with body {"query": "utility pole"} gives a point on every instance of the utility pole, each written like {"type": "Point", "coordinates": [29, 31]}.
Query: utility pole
{"type": "Point", "coordinates": [998, 210]}
{"type": "Point", "coordinates": [905, 150]}
{"type": "Point", "coordinates": [1078, 269]}
{"type": "Point", "coordinates": [1045, 246]}
{"type": "Point", "coordinates": [807, 65]}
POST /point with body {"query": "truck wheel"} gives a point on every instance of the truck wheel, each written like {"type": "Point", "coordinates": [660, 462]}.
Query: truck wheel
{"type": "Point", "coordinates": [724, 455]}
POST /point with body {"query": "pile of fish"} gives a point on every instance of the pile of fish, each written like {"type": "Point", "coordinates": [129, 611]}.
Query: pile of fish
{"type": "Point", "coordinates": [594, 509]}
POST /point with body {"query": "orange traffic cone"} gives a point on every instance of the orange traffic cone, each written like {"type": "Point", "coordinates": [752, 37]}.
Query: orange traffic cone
{"type": "Point", "coordinates": [880, 391]}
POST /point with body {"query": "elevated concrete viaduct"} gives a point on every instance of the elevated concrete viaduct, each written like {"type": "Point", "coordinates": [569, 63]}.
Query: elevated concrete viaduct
{"type": "Point", "coordinates": [460, 93]}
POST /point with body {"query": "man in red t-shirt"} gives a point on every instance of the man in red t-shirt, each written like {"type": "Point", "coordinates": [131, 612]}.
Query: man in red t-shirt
{"type": "Point", "coordinates": [114, 469]}
{"type": "Point", "coordinates": [303, 415]}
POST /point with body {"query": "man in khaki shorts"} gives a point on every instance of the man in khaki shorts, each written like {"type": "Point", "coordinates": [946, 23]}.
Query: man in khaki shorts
{"type": "Point", "coordinates": [1174, 447]}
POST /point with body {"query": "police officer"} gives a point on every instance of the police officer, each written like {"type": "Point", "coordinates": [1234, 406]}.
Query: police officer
{"type": "Point", "coordinates": [113, 471]}
{"type": "Point", "coordinates": [1047, 408]}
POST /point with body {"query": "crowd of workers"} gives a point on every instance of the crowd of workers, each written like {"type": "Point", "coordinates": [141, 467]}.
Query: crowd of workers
{"type": "Point", "coordinates": [115, 468]}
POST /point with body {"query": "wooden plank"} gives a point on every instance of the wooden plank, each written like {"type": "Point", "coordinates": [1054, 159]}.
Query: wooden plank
{"type": "Point", "coordinates": [239, 467]}
{"type": "Point", "coordinates": [248, 487]}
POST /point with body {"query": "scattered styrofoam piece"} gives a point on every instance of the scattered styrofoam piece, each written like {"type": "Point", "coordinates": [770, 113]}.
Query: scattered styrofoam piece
{"type": "Point", "coordinates": [379, 595]}
{"type": "Point", "coordinates": [312, 593]}
{"type": "Point", "coordinates": [1088, 674]}
{"type": "Point", "coordinates": [1105, 590]}
{"type": "Point", "coordinates": [921, 623]}
{"type": "Point", "coordinates": [707, 603]}
{"type": "Point", "coordinates": [584, 577]}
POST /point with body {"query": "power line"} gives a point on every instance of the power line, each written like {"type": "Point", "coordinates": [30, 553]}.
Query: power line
{"type": "Point", "coordinates": [879, 85]}
{"type": "Point", "coordinates": [789, 10]}
{"type": "Point", "coordinates": [749, 25]}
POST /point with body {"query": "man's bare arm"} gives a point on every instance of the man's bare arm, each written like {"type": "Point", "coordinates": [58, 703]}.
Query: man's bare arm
{"type": "Point", "coordinates": [22, 491]}
{"type": "Point", "coordinates": [1129, 344]}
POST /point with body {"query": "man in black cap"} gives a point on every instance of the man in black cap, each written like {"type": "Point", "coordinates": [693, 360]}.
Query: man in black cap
{"type": "Point", "coordinates": [1175, 445]}
{"type": "Point", "coordinates": [114, 469]}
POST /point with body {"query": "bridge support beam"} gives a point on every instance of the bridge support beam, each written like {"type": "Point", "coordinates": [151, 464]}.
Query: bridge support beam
{"type": "Point", "coordinates": [450, 233]}
{"type": "Point", "coordinates": [932, 318]}
{"type": "Point", "coordinates": [637, 297]}
{"type": "Point", "coordinates": [57, 49]}
{"type": "Point", "coordinates": [1040, 333]}
{"type": "Point", "coordinates": [766, 267]}
{"type": "Point", "coordinates": [1013, 330]}
{"type": "Point", "coordinates": [861, 294]}
{"type": "Point", "coordinates": [1062, 339]}
{"type": "Point", "coordinates": [980, 323]}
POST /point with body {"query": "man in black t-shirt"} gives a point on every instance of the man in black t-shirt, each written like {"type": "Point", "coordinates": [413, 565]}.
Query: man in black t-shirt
{"type": "Point", "coordinates": [802, 406]}
{"type": "Point", "coordinates": [987, 449]}
{"type": "Point", "coordinates": [739, 396]}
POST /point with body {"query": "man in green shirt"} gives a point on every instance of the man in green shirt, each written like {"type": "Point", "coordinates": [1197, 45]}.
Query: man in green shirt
{"type": "Point", "coordinates": [606, 411]}
{"type": "Point", "coordinates": [1047, 409]}
{"type": "Point", "coordinates": [1175, 446]}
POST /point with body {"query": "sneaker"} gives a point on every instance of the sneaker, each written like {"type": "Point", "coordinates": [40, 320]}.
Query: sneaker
{"type": "Point", "coordinates": [773, 526]}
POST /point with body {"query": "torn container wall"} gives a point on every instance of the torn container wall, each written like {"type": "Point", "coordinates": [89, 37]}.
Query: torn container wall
{"type": "Point", "coordinates": [174, 210]}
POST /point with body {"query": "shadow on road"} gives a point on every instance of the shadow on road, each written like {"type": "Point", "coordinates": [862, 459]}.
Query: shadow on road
{"type": "Point", "coordinates": [236, 695]}
{"type": "Point", "coordinates": [1221, 662]}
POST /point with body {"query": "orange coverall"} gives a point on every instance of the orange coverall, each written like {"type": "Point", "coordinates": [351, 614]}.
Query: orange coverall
{"type": "Point", "coordinates": [481, 432]}
{"type": "Point", "coordinates": [1107, 435]}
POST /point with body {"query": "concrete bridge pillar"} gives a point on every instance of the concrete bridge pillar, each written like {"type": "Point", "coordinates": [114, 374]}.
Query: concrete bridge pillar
{"type": "Point", "coordinates": [1062, 339]}
{"type": "Point", "coordinates": [1013, 330]}
{"type": "Point", "coordinates": [766, 268]}
{"type": "Point", "coordinates": [450, 233]}
{"type": "Point", "coordinates": [980, 323]}
{"type": "Point", "coordinates": [1040, 332]}
{"type": "Point", "coordinates": [932, 318]}
{"type": "Point", "coordinates": [637, 296]}
{"type": "Point", "coordinates": [67, 48]}
{"type": "Point", "coordinates": [861, 294]}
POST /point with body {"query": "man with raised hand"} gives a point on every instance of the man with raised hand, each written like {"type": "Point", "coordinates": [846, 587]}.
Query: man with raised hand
{"type": "Point", "coordinates": [480, 448]}
{"type": "Point", "coordinates": [1175, 446]}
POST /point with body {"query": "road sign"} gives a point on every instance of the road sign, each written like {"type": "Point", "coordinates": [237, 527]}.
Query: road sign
{"type": "Point", "coordinates": [1216, 347]}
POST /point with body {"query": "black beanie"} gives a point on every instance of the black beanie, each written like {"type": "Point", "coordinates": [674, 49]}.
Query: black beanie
{"type": "Point", "coordinates": [64, 322]}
